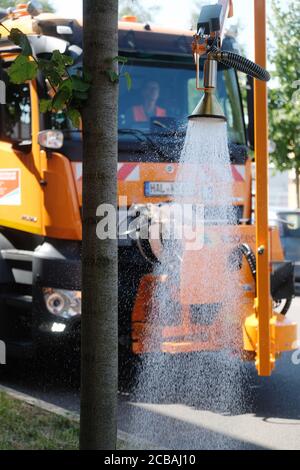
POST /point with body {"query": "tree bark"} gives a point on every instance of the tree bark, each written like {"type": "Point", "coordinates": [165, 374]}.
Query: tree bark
{"type": "Point", "coordinates": [99, 355]}
{"type": "Point", "coordinates": [298, 187]}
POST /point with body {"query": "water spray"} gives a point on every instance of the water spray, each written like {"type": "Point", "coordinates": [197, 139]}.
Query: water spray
{"type": "Point", "coordinates": [220, 297]}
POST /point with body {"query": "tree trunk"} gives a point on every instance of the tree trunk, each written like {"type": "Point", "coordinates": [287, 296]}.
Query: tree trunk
{"type": "Point", "coordinates": [99, 356]}
{"type": "Point", "coordinates": [298, 187]}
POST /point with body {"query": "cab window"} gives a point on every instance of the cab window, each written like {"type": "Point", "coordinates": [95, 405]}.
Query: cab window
{"type": "Point", "coordinates": [167, 93]}
{"type": "Point", "coordinates": [16, 113]}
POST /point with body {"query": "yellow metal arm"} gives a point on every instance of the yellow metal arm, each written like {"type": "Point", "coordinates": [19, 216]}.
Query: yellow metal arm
{"type": "Point", "coordinates": [265, 361]}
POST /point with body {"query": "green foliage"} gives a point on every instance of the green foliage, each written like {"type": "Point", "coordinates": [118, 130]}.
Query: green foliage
{"type": "Point", "coordinates": [22, 69]}
{"type": "Point", "coordinates": [78, 84]}
{"type": "Point", "coordinates": [74, 115]}
{"type": "Point", "coordinates": [284, 99]}
{"type": "Point", "coordinates": [128, 80]}
{"type": "Point", "coordinates": [70, 91]}
{"type": "Point", "coordinates": [135, 8]}
{"type": "Point", "coordinates": [61, 61]}
{"type": "Point", "coordinates": [17, 37]}
{"type": "Point", "coordinates": [113, 75]}
{"type": "Point", "coordinates": [45, 105]}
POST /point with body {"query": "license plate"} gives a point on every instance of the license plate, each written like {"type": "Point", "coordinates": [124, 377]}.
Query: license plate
{"type": "Point", "coordinates": [157, 188]}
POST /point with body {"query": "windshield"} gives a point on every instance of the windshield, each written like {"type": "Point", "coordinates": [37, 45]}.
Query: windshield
{"type": "Point", "coordinates": [163, 96]}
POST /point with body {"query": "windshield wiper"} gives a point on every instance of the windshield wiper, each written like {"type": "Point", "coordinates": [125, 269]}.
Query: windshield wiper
{"type": "Point", "coordinates": [169, 131]}
{"type": "Point", "coordinates": [144, 137]}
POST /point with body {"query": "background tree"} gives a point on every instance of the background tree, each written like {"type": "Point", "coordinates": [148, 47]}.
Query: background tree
{"type": "Point", "coordinates": [99, 363]}
{"type": "Point", "coordinates": [135, 8]}
{"type": "Point", "coordinates": [284, 96]}
{"type": "Point", "coordinates": [46, 4]}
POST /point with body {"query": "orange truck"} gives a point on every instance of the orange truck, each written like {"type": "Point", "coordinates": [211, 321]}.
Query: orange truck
{"type": "Point", "coordinates": [41, 180]}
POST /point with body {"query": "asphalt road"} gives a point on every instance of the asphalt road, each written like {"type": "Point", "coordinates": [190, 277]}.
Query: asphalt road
{"type": "Point", "coordinates": [179, 408]}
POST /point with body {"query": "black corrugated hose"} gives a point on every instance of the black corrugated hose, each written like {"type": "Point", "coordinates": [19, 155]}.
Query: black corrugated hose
{"type": "Point", "coordinates": [233, 60]}
{"type": "Point", "coordinates": [250, 257]}
{"type": "Point", "coordinates": [246, 250]}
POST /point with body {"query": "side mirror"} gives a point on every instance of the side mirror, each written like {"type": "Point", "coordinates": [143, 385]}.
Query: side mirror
{"type": "Point", "coordinates": [51, 139]}
{"type": "Point", "coordinates": [64, 30]}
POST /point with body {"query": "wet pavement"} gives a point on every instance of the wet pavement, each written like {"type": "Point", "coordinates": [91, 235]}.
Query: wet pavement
{"type": "Point", "coordinates": [268, 417]}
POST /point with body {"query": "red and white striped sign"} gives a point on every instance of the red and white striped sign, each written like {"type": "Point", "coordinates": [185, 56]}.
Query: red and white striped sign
{"type": "Point", "coordinates": [131, 172]}
{"type": "Point", "coordinates": [238, 173]}
{"type": "Point", "coordinates": [128, 172]}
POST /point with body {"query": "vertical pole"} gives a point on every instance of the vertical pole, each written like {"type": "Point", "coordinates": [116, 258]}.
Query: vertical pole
{"type": "Point", "coordinates": [99, 259]}
{"type": "Point", "coordinates": [263, 303]}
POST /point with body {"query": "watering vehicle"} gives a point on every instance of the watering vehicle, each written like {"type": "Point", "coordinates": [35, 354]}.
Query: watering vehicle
{"type": "Point", "coordinates": [41, 184]}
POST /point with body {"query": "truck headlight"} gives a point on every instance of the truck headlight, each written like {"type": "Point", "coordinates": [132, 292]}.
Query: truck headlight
{"type": "Point", "coordinates": [62, 303]}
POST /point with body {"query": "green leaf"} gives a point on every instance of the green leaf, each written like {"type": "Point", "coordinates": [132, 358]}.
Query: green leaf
{"type": "Point", "coordinates": [66, 84]}
{"type": "Point", "coordinates": [61, 62]}
{"type": "Point", "coordinates": [22, 69]}
{"type": "Point", "coordinates": [45, 66]}
{"type": "Point", "coordinates": [121, 59]}
{"type": "Point", "coordinates": [113, 76]}
{"type": "Point", "coordinates": [80, 95]}
{"type": "Point", "coordinates": [79, 85]}
{"type": "Point", "coordinates": [60, 58]}
{"type": "Point", "coordinates": [49, 69]}
{"type": "Point", "coordinates": [57, 57]}
{"type": "Point", "coordinates": [54, 77]}
{"type": "Point", "coordinates": [128, 80]}
{"type": "Point", "coordinates": [45, 105]}
{"type": "Point", "coordinates": [67, 60]}
{"type": "Point", "coordinates": [61, 99]}
{"type": "Point", "coordinates": [75, 116]}
{"type": "Point", "coordinates": [20, 39]}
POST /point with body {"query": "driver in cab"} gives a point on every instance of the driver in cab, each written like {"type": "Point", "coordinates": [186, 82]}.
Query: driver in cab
{"type": "Point", "coordinates": [148, 108]}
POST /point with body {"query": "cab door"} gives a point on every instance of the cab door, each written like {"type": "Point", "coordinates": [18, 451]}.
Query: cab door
{"type": "Point", "coordinates": [20, 181]}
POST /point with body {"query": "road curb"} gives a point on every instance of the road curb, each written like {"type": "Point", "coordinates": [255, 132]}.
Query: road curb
{"type": "Point", "coordinates": [128, 441]}
{"type": "Point", "coordinates": [43, 405]}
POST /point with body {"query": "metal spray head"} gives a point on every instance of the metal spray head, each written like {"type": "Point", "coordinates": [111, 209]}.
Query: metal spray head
{"type": "Point", "coordinates": [209, 106]}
